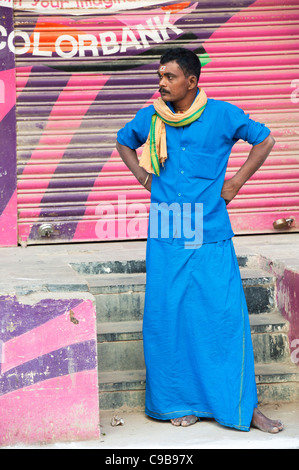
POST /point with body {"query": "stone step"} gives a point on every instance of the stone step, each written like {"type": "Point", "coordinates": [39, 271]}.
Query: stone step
{"type": "Point", "coordinates": [276, 383]}
{"type": "Point", "coordinates": [91, 268]}
{"type": "Point", "coordinates": [122, 390]}
{"type": "Point", "coordinates": [120, 297]}
{"type": "Point", "coordinates": [120, 355]}
{"type": "Point", "coordinates": [120, 344]}
{"type": "Point", "coordinates": [269, 333]}
{"type": "Point", "coordinates": [119, 331]}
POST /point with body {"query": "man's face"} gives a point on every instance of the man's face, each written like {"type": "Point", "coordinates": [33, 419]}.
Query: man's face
{"type": "Point", "coordinates": [173, 85]}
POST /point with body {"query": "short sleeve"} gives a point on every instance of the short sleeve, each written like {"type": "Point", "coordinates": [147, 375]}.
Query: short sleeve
{"type": "Point", "coordinates": [134, 134]}
{"type": "Point", "coordinates": [242, 127]}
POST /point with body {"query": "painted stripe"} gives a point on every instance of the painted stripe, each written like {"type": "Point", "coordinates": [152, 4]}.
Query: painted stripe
{"type": "Point", "coordinates": [8, 223]}
{"type": "Point", "coordinates": [69, 360]}
{"type": "Point", "coordinates": [52, 335]}
{"type": "Point", "coordinates": [7, 77]}
{"type": "Point", "coordinates": [16, 318]}
{"type": "Point", "coordinates": [59, 109]}
{"type": "Point", "coordinates": [65, 408]}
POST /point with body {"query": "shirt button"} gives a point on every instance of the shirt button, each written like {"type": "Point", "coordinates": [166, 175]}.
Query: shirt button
{"type": "Point", "coordinates": [182, 172]}
{"type": "Point", "coordinates": [179, 194]}
{"type": "Point", "coordinates": [183, 148]}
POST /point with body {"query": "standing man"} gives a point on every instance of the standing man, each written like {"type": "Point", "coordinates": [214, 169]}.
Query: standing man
{"type": "Point", "coordinates": [197, 341]}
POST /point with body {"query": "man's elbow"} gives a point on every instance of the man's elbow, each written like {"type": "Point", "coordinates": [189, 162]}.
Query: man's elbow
{"type": "Point", "coordinates": [266, 145]}
{"type": "Point", "coordinates": [269, 141]}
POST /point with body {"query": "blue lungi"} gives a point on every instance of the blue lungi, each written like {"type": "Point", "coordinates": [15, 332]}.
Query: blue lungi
{"type": "Point", "coordinates": [197, 342]}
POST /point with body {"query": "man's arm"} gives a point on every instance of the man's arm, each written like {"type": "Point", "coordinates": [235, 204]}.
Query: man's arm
{"type": "Point", "coordinates": [256, 158]}
{"type": "Point", "coordinates": [130, 158]}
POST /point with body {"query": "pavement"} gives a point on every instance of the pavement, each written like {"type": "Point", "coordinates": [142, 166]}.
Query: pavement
{"type": "Point", "coordinates": [141, 432]}
{"type": "Point", "coordinates": [50, 268]}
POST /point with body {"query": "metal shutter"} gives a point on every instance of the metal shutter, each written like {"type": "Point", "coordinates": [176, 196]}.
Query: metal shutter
{"type": "Point", "coordinates": [72, 185]}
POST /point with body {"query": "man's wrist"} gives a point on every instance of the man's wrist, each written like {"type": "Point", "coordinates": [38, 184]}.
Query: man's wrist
{"type": "Point", "coordinates": [236, 182]}
{"type": "Point", "coordinates": [143, 177]}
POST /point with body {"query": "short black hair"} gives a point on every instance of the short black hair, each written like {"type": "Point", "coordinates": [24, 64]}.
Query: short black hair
{"type": "Point", "coordinates": [186, 59]}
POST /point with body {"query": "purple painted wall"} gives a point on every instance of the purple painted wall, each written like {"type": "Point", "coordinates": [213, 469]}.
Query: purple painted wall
{"type": "Point", "coordinates": [288, 304]}
{"type": "Point", "coordinates": [8, 178]}
{"type": "Point", "coordinates": [48, 377]}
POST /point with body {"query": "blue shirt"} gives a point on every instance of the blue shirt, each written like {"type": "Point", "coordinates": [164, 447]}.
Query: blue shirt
{"type": "Point", "coordinates": [188, 190]}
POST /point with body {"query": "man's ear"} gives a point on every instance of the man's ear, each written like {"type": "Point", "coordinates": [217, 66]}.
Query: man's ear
{"type": "Point", "coordinates": [192, 82]}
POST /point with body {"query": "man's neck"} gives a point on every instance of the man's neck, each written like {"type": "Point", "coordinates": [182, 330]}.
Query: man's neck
{"type": "Point", "coordinates": [185, 104]}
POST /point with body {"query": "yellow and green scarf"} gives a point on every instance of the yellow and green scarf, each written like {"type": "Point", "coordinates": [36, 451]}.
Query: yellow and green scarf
{"type": "Point", "coordinates": [155, 149]}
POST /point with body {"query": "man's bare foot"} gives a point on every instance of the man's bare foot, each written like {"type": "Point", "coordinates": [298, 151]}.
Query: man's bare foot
{"type": "Point", "coordinates": [184, 421]}
{"type": "Point", "coordinates": [260, 421]}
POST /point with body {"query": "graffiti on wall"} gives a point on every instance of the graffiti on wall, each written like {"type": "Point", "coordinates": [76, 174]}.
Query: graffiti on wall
{"type": "Point", "coordinates": [76, 63]}
{"type": "Point", "coordinates": [95, 52]}
{"type": "Point", "coordinates": [8, 183]}
{"type": "Point", "coordinates": [48, 357]}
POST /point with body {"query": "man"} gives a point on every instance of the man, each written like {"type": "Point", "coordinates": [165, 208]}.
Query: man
{"type": "Point", "coordinates": [197, 342]}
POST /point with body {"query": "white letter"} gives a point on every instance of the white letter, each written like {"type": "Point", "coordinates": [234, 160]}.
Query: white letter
{"type": "Point", "coordinates": [164, 209]}
{"type": "Point", "coordinates": [122, 217]}
{"type": "Point", "coordinates": [11, 45]}
{"type": "Point", "coordinates": [93, 46]}
{"type": "Point", "coordinates": [128, 34]}
{"type": "Point", "coordinates": [72, 40]}
{"type": "Point", "coordinates": [166, 24]}
{"type": "Point", "coordinates": [105, 227]}
{"type": "Point", "coordinates": [36, 50]}
{"type": "Point", "coordinates": [152, 33]}
{"type": "Point", "coordinates": [294, 357]}
{"type": "Point", "coordinates": [137, 226]}
{"type": "Point", "coordinates": [294, 94]}
{"type": "Point", "coordinates": [110, 46]}
{"type": "Point", "coordinates": [187, 222]}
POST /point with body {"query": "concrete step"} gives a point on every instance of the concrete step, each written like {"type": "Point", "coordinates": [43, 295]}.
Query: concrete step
{"type": "Point", "coordinates": [126, 389]}
{"type": "Point", "coordinates": [119, 291]}
{"type": "Point", "coordinates": [270, 341]}
{"type": "Point", "coordinates": [133, 266]}
{"type": "Point", "coordinates": [120, 344]}
{"type": "Point", "coordinates": [122, 390]}
{"type": "Point", "coordinates": [277, 383]}
{"type": "Point", "coordinates": [120, 297]}
{"type": "Point", "coordinates": [259, 289]}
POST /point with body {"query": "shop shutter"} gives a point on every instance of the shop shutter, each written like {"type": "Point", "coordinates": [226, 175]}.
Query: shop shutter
{"type": "Point", "coordinates": [83, 76]}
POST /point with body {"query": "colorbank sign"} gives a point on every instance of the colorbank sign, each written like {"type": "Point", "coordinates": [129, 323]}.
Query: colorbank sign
{"type": "Point", "coordinates": [105, 43]}
{"type": "Point", "coordinates": [78, 7]}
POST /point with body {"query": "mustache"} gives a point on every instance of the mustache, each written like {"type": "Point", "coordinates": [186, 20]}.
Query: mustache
{"type": "Point", "coordinates": [163, 90]}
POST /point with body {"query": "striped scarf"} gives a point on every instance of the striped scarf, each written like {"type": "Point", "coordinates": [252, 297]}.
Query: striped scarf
{"type": "Point", "coordinates": [155, 149]}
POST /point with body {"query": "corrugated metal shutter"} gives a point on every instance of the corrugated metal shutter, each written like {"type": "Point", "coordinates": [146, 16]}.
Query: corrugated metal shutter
{"type": "Point", "coordinates": [70, 106]}
{"type": "Point", "coordinates": [255, 62]}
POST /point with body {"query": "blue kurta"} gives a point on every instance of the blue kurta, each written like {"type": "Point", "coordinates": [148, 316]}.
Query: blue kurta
{"type": "Point", "coordinates": [197, 343]}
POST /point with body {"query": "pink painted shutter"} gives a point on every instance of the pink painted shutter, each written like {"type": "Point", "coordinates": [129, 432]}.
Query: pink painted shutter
{"type": "Point", "coordinates": [72, 185]}
{"type": "Point", "coordinates": [255, 65]}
